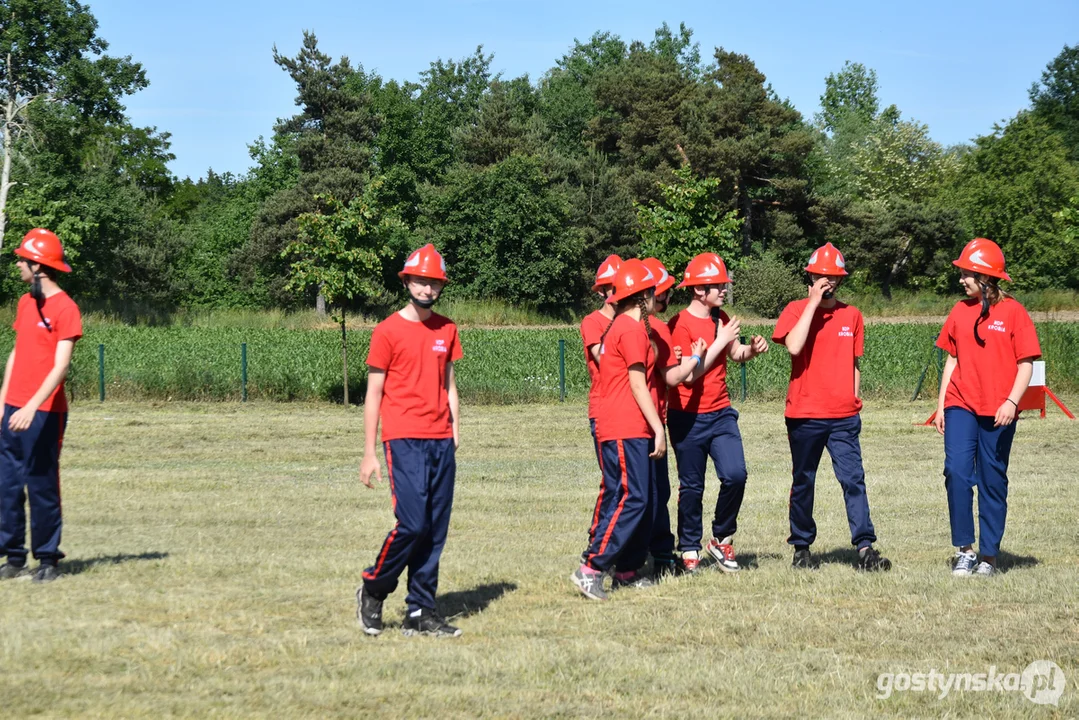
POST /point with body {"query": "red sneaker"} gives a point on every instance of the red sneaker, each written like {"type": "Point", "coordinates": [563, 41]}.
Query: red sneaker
{"type": "Point", "coordinates": [724, 555]}
{"type": "Point", "coordinates": [690, 564]}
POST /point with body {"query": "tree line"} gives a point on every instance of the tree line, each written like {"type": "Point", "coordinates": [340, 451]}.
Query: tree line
{"type": "Point", "coordinates": [525, 185]}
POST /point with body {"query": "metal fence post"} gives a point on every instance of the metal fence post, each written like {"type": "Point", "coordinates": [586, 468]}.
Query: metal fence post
{"type": "Point", "coordinates": [101, 372]}
{"type": "Point", "coordinates": [243, 371]}
{"type": "Point", "coordinates": [561, 371]}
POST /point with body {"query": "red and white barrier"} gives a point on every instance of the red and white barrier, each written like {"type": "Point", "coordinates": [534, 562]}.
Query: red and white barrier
{"type": "Point", "coordinates": [1034, 397]}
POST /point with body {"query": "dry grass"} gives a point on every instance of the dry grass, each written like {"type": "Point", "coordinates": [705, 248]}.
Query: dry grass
{"type": "Point", "coordinates": [214, 551]}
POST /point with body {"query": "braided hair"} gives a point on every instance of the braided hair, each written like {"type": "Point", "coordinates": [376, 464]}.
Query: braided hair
{"type": "Point", "coordinates": [636, 300]}
{"type": "Point", "coordinates": [991, 295]}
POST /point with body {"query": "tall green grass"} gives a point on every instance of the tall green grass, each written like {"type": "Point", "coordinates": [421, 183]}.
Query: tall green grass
{"type": "Point", "coordinates": [500, 366]}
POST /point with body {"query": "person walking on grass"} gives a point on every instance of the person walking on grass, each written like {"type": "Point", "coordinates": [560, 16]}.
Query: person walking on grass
{"type": "Point", "coordinates": [412, 391]}
{"type": "Point", "coordinates": [700, 417]}
{"type": "Point", "coordinates": [47, 325]}
{"type": "Point", "coordinates": [592, 328]}
{"type": "Point", "coordinates": [630, 437]}
{"type": "Point", "coordinates": [991, 344]}
{"type": "Point", "coordinates": [826, 340]}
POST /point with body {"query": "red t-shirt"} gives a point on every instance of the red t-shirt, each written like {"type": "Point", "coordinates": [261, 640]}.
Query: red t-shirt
{"type": "Point", "coordinates": [415, 402]}
{"type": "Point", "coordinates": [984, 374]}
{"type": "Point", "coordinates": [619, 415]}
{"type": "Point", "coordinates": [35, 348]}
{"type": "Point", "coordinates": [661, 335]}
{"type": "Point", "coordinates": [592, 329]}
{"type": "Point", "coordinates": [822, 375]}
{"type": "Point", "coordinates": [709, 392]}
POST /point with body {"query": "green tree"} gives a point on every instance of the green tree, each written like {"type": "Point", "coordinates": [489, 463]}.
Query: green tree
{"type": "Point", "coordinates": [1056, 98]}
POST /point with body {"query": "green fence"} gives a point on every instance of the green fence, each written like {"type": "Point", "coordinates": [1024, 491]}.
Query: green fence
{"type": "Point", "coordinates": [500, 366]}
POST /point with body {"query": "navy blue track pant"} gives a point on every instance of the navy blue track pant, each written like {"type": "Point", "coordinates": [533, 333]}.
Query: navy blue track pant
{"type": "Point", "coordinates": [30, 468]}
{"type": "Point", "coordinates": [976, 455]}
{"type": "Point", "coordinates": [662, 543]}
{"type": "Point", "coordinates": [695, 438]}
{"type": "Point", "coordinates": [422, 474]}
{"type": "Point", "coordinates": [627, 505]}
{"type": "Point", "coordinates": [808, 438]}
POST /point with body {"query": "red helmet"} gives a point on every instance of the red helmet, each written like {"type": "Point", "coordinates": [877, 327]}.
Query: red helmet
{"type": "Point", "coordinates": [705, 269]}
{"type": "Point", "coordinates": [664, 281]}
{"type": "Point", "coordinates": [827, 260]}
{"type": "Point", "coordinates": [632, 277]}
{"type": "Point", "coordinates": [42, 246]}
{"type": "Point", "coordinates": [425, 262]}
{"type": "Point", "coordinates": [606, 271]}
{"type": "Point", "coordinates": [983, 256]}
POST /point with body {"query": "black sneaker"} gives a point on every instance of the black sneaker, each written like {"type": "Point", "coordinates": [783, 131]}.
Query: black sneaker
{"type": "Point", "coordinates": [804, 560]}
{"type": "Point", "coordinates": [428, 622]}
{"type": "Point", "coordinates": [637, 580]}
{"type": "Point", "coordinates": [46, 573]}
{"type": "Point", "coordinates": [665, 569]}
{"type": "Point", "coordinates": [369, 612]}
{"type": "Point", "coordinates": [10, 570]}
{"type": "Point", "coordinates": [872, 561]}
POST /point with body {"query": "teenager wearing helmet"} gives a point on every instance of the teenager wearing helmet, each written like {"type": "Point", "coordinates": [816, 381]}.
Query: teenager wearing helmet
{"type": "Point", "coordinates": [630, 436]}
{"type": "Point", "coordinates": [826, 338]}
{"type": "Point", "coordinates": [672, 368]}
{"type": "Point", "coordinates": [700, 417]}
{"type": "Point", "coordinates": [411, 389]}
{"type": "Point", "coordinates": [592, 328]}
{"type": "Point", "coordinates": [47, 325]}
{"type": "Point", "coordinates": [991, 344]}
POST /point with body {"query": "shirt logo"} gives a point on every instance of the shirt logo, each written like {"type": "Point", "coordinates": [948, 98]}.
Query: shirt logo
{"type": "Point", "coordinates": [42, 323]}
{"type": "Point", "coordinates": [846, 332]}
{"type": "Point", "coordinates": [997, 326]}
{"type": "Point", "coordinates": [440, 346]}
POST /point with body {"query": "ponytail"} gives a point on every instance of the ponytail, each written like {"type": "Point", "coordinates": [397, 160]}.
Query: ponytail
{"type": "Point", "coordinates": [991, 295]}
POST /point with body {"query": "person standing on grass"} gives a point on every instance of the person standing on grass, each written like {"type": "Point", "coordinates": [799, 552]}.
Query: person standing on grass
{"type": "Point", "coordinates": [411, 389]}
{"type": "Point", "coordinates": [592, 329]}
{"type": "Point", "coordinates": [701, 419]}
{"type": "Point", "coordinates": [991, 344]}
{"type": "Point", "coordinates": [47, 325]}
{"type": "Point", "coordinates": [826, 338]}
{"type": "Point", "coordinates": [630, 436]}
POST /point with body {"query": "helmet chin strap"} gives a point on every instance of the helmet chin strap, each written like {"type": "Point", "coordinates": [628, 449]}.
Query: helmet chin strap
{"type": "Point", "coordinates": [425, 304]}
{"type": "Point", "coordinates": [985, 312]}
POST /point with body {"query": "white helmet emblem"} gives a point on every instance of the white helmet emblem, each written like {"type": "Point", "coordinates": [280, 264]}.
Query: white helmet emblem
{"type": "Point", "coordinates": [413, 260]}
{"type": "Point", "coordinates": [977, 259]}
{"type": "Point", "coordinates": [709, 271]}
{"type": "Point", "coordinates": [608, 271]}
{"type": "Point", "coordinates": [839, 261]}
{"type": "Point", "coordinates": [813, 257]}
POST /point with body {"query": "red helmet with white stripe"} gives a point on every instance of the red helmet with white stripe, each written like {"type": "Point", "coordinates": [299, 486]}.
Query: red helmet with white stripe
{"type": "Point", "coordinates": [606, 271]}
{"type": "Point", "coordinates": [632, 277]}
{"type": "Point", "coordinates": [427, 263]}
{"type": "Point", "coordinates": [664, 281]}
{"type": "Point", "coordinates": [827, 260]}
{"type": "Point", "coordinates": [42, 246]}
{"type": "Point", "coordinates": [983, 256]}
{"type": "Point", "coordinates": [705, 269]}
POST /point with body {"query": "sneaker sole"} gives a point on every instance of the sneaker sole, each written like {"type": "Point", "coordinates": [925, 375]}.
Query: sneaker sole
{"type": "Point", "coordinates": [583, 591]}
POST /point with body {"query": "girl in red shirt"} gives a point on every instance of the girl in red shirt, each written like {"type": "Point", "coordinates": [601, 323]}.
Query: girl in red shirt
{"type": "Point", "coordinates": [630, 436]}
{"type": "Point", "coordinates": [991, 345]}
{"type": "Point", "coordinates": [701, 419]}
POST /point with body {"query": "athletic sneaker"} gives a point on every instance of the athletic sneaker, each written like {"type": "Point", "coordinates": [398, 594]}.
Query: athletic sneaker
{"type": "Point", "coordinates": [984, 569]}
{"type": "Point", "coordinates": [589, 583]}
{"type": "Point", "coordinates": [46, 573]}
{"type": "Point", "coordinates": [369, 612]}
{"type": "Point", "coordinates": [690, 562]}
{"type": "Point", "coordinates": [723, 552]}
{"type": "Point", "coordinates": [428, 622]}
{"type": "Point", "coordinates": [635, 580]}
{"type": "Point", "coordinates": [963, 563]}
{"type": "Point", "coordinates": [804, 560]}
{"type": "Point", "coordinates": [872, 561]}
{"type": "Point", "coordinates": [9, 570]}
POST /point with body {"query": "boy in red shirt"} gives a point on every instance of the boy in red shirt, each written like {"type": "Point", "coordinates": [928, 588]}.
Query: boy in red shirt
{"type": "Point", "coordinates": [411, 389]}
{"type": "Point", "coordinates": [826, 339]}
{"type": "Point", "coordinates": [47, 325]}
{"type": "Point", "coordinates": [991, 345]}
{"type": "Point", "coordinates": [700, 417]}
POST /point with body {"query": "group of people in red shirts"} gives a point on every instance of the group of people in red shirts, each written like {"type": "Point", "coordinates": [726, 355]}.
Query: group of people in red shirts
{"type": "Point", "coordinates": [648, 378]}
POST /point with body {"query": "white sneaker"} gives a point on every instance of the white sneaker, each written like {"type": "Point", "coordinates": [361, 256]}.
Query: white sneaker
{"type": "Point", "coordinates": [723, 552]}
{"type": "Point", "coordinates": [984, 569]}
{"type": "Point", "coordinates": [963, 563]}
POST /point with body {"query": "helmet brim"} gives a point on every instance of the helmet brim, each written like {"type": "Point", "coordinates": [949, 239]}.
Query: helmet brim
{"type": "Point", "coordinates": [982, 271]}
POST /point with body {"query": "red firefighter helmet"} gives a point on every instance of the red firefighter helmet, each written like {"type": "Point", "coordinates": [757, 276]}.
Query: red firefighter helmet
{"type": "Point", "coordinates": [427, 263]}
{"type": "Point", "coordinates": [42, 246]}
{"type": "Point", "coordinates": [983, 256]}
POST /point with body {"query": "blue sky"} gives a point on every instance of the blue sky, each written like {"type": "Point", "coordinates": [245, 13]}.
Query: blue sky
{"type": "Point", "coordinates": [957, 66]}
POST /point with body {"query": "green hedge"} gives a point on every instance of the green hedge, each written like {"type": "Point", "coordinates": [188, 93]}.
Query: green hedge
{"type": "Point", "coordinates": [500, 366]}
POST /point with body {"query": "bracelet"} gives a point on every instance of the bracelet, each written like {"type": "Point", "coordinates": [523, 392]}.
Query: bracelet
{"type": "Point", "coordinates": [1013, 402]}
{"type": "Point", "coordinates": [698, 359]}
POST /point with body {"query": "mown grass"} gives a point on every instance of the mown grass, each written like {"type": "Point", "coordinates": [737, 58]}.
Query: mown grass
{"type": "Point", "coordinates": [214, 550]}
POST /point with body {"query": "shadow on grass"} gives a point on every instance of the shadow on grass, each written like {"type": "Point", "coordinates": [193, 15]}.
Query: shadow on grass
{"type": "Point", "coordinates": [81, 565]}
{"type": "Point", "coordinates": [464, 603]}
{"type": "Point", "coordinates": [1006, 561]}
{"type": "Point", "coordinates": [746, 561]}
{"type": "Point", "coordinates": [838, 556]}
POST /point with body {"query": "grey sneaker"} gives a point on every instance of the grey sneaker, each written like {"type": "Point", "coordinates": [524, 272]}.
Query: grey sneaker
{"type": "Point", "coordinates": [46, 573]}
{"type": "Point", "coordinates": [984, 569]}
{"type": "Point", "coordinates": [804, 560]}
{"type": "Point", "coordinates": [9, 571]}
{"type": "Point", "coordinates": [590, 584]}
{"type": "Point", "coordinates": [963, 563]}
{"type": "Point", "coordinates": [636, 580]}
{"type": "Point", "coordinates": [369, 612]}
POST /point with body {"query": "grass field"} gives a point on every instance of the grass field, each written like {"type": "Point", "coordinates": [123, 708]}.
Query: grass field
{"type": "Point", "coordinates": [214, 550]}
